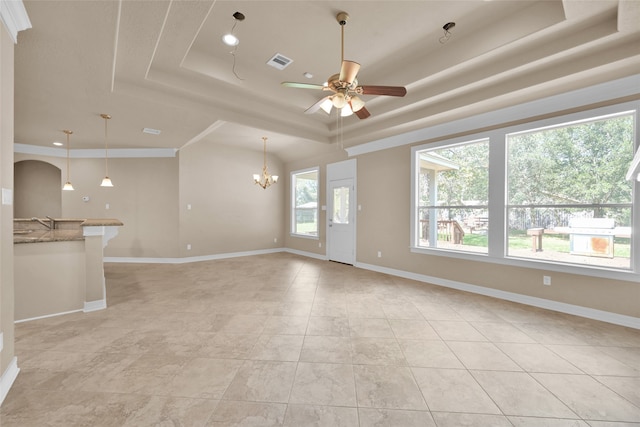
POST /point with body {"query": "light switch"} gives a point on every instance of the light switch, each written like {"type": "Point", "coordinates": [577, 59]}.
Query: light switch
{"type": "Point", "coordinates": [7, 196]}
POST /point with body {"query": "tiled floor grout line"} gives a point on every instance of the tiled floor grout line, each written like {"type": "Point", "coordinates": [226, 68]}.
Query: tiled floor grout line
{"type": "Point", "coordinates": [274, 312]}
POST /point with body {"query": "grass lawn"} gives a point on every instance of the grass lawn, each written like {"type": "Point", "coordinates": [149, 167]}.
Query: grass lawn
{"type": "Point", "coordinates": [550, 243]}
{"type": "Point", "coordinates": [308, 228]}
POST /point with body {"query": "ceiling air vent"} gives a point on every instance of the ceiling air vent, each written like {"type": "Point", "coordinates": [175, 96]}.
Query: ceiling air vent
{"type": "Point", "coordinates": [151, 131]}
{"type": "Point", "coordinates": [279, 61]}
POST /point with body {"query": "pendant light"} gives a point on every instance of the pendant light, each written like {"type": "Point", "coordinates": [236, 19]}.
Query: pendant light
{"type": "Point", "coordinates": [67, 185]}
{"type": "Point", "coordinates": [265, 180]}
{"type": "Point", "coordinates": [106, 182]}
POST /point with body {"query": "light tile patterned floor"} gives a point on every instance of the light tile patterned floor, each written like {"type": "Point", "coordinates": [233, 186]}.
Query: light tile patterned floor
{"type": "Point", "coordinates": [284, 340]}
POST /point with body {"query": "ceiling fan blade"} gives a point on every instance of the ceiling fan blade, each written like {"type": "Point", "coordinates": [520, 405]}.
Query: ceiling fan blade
{"type": "Point", "coordinates": [362, 113]}
{"type": "Point", "coordinates": [349, 71]}
{"type": "Point", "coordinates": [384, 90]}
{"type": "Point", "coordinates": [315, 107]}
{"type": "Point", "coordinates": [303, 85]}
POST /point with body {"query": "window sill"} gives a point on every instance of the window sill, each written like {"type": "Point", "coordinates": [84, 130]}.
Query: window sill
{"type": "Point", "coordinates": [592, 271]}
{"type": "Point", "coordinates": [304, 236]}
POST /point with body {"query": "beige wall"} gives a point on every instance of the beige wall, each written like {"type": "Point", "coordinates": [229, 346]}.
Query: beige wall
{"type": "Point", "coordinates": [36, 191]}
{"type": "Point", "coordinates": [301, 243]}
{"type": "Point", "coordinates": [49, 289]}
{"type": "Point", "coordinates": [144, 198]}
{"type": "Point", "coordinates": [229, 213]}
{"type": "Point", "coordinates": [6, 211]}
{"type": "Point", "coordinates": [383, 225]}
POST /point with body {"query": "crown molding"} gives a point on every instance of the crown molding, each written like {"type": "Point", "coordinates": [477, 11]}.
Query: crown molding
{"type": "Point", "coordinates": [614, 89]}
{"type": "Point", "coordinates": [14, 17]}
{"type": "Point", "coordinates": [115, 153]}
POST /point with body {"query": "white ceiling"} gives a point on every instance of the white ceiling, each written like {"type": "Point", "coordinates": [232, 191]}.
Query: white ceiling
{"type": "Point", "coordinates": [161, 64]}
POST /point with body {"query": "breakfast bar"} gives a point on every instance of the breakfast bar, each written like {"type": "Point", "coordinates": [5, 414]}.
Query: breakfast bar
{"type": "Point", "coordinates": [58, 265]}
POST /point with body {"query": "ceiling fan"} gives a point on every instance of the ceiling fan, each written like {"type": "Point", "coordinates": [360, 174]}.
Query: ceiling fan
{"type": "Point", "coordinates": [345, 86]}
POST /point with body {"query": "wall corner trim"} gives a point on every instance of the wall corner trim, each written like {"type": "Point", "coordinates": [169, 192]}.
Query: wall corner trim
{"type": "Point", "coordinates": [14, 17]}
{"type": "Point", "coordinates": [96, 305]}
{"type": "Point", "coordinates": [576, 310]}
{"type": "Point", "coordinates": [8, 377]}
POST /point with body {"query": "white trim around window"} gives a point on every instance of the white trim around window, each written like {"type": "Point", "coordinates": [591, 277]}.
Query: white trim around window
{"type": "Point", "coordinates": [297, 211]}
{"type": "Point", "coordinates": [497, 201]}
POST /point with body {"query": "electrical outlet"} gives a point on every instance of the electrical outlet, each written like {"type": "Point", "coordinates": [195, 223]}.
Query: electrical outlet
{"type": "Point", "coordinates": [546, 280]}
{"type": "Point", "coordinates": [319, 244]}
{"type": "Point", "coordinates": [188, 246]}
{"type": "Point", "coordinates": [106, 206]}
{"type": "Point", "coordinates": [379, 254]}
{"type": "Point", "coordinates": [275, 240]}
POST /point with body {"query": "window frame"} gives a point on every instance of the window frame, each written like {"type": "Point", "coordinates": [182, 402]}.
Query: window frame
{"type": "Point", "coordinates": [498, 203]}
{"type": "Point", "coordinates": [434, 147]}
{"type": "Point", "coordinates": [293, 221]}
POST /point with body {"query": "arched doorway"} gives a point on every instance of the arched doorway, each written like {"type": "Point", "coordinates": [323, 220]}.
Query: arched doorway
{"type": "Point", "coordinates": [37, 191]}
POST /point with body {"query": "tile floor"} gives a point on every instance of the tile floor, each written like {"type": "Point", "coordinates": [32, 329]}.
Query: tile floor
{"type": "Point", "coordinates": [284, 340]}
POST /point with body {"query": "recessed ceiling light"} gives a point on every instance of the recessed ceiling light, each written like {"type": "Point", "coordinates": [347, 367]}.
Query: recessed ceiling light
{"type": "Point", "coordinates": [58, 144]}
{"type": "Point", "coordinates": [230, 40]}
{"type": "Point", "coordinates": [151, 131]}
{"type": "Point", "coordinates": [308, 75]}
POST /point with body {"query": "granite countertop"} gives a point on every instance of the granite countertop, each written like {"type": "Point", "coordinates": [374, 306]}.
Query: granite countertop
{"type": "Point", "coordinates": [101, 222]}
{"type": "Point", "coordinates": [38, 234]}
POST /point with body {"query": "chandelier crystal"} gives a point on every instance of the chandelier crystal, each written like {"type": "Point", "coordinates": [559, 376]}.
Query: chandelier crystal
{"type": "Point", "coordinates": [265, 180]}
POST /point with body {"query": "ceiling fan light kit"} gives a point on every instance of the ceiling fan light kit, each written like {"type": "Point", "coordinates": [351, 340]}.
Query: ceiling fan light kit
{"type": "Point", "coordinates": [345, 86]}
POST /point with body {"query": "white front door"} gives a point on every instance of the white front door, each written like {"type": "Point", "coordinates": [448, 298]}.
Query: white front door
{"type": "Point", "coordinates": [340, 215]}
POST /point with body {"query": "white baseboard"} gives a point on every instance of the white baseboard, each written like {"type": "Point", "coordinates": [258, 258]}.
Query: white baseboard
{"type": "Point", "coordinates": [46, 316]}
{"type": "Point", "coordinates": [576, 310]}
{"type": "Point", "coordinates": [89, 306]}
{"type": "Point", "coordinates": [187, 260]}
{"type": "Point", "coordinates": [8, 377]}
{"type": "Point", "coordinates": [322, 257]}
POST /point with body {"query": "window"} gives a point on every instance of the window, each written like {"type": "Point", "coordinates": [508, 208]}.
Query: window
{"type": "Point", "coordinates": [568, 199]}
{"type": "Point", "coordinates": [554, 194]}
{"type": "Point", "coordinates": [340, 205]}
{"type": "Point", "coordinates": [453, 192]}
{"type": "Point", "coordinates": [304, 202]}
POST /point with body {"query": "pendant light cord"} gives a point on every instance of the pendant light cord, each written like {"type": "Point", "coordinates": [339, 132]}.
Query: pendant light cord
{"type": "Point", "coordinates": [68, 162]}
{"type": "Point", "coordinates": [106, 149]}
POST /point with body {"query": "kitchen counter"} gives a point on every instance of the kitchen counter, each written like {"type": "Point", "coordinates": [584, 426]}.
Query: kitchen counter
{"type": "Point", "coordinates": [64, 272]}
{"type": "Point", "coordinates": [66, 230]}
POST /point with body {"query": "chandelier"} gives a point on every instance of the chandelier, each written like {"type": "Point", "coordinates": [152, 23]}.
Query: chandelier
{"type": "Point", "coordinates": [265, 180]}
